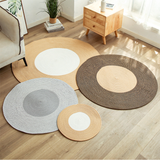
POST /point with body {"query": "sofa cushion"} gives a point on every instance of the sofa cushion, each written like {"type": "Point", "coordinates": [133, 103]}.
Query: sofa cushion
{"type": "Point", "coordinates": [7, 48]}
{"type": "Point", "coordinates": [10, 25]}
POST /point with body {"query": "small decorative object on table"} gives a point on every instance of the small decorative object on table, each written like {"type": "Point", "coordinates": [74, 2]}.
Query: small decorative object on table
{"type": "Point", "coordinates": [53, 8]}
{"type": "Point", "coordinates": [53, 27]}
{"type": "Point", "coordinates": [110, 5]}
{"type": "Point", "coordinates": [103, 5]}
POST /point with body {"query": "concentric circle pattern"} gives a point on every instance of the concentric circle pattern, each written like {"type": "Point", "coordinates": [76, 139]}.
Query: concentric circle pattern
{"type": "Point", "coordinates": [145, 83]}
{"type": "Point", "coordinates": [34, 105]}
{"type": "Point", "coordinates": [55, 57]}
{"type": "Point", "coordinates": [79, 122]}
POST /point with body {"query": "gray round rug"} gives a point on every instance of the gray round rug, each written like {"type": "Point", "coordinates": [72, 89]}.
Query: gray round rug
{"type": "Point", "coordinates": [33, 106]}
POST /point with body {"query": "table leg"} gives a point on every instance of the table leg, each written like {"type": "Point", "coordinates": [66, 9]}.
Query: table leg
{"type": "Point", "coordinates": [116, 34]}
{"type": "Point", "coordinates": [87, 32]}
{"type": "Point", "coordinates": [104, 40]}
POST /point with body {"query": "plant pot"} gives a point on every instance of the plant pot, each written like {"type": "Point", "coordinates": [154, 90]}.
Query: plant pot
{"type": "Point", "coordinates": [52, 20]}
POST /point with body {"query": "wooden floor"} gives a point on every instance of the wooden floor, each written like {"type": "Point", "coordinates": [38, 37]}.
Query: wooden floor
{"type": "Point", "coordinates": [133, 134]}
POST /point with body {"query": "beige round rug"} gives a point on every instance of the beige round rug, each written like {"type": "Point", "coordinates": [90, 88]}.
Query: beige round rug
{"type": "Point", "coordinates": [79, 122]}
{"type": "Point", "coordinates": [56, 57]}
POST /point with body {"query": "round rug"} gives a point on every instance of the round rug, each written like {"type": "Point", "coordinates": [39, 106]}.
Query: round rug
{"type": "Point", "coordinates": [57, 57]}
{"type": "Point", "coordinates": [34, 105]}
{"type": "Point", "coordinates": [116, 82]}
{"type": "Point", "coordinates": [79, 122]}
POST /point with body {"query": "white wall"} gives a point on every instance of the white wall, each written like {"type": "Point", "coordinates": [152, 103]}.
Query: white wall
{"type": "Point", "coordinates": [33, 12]}
{"type": "Point", "coordinates": [78, 11]}
{"type": "Point", "coordinates": [73, 9]}
{"type": "Point", "coordinates": [68, 9]}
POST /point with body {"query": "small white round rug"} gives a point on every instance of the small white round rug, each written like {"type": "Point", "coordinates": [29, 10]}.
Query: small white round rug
{"type": "Point", "coordinates": [57, 61]}
{"type": "Point", "coordinates": [33, 106]}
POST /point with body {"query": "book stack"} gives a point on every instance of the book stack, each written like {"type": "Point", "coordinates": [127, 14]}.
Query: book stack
{"type": "Point", "coordinates": [110, 5]}
{"type": "Point", "coordinates": [53, 27]}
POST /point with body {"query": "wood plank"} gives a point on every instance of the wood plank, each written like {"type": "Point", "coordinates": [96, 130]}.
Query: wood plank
{"type": "Point", "coordinates": [151, 151]}
{"type": "Point", "coordinates": [137, 139]}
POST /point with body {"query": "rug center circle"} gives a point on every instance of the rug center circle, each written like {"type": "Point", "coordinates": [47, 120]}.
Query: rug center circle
{"type": "Point", "coordinates": [116, 79]}
{"type": "Point", "coordinates": [41, 103]}
{"type": "Point", "coordinates": [57, 61]}
{"type": "Point", "coordinates": [79, 121]}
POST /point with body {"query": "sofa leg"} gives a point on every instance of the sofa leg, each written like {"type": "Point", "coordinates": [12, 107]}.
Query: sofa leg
{"type": "Point", "coordinates": [25, 61]}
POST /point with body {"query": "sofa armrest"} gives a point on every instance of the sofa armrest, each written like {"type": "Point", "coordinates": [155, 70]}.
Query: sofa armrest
{"type": "Point", "coordinates": [10, 26]}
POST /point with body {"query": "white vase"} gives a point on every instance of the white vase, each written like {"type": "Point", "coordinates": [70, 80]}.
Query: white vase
{"type": "Point", "coordinates": [103, 5]}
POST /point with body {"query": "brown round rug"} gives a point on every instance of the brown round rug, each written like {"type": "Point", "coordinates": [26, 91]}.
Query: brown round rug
{"type": "Point", "coordinates": [56, 57]}
{"type": "Point", "coordinates": [116, 82]}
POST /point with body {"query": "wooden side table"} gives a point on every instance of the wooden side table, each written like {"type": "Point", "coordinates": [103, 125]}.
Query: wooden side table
{"type": "Point", "coordinates": [102, 23]}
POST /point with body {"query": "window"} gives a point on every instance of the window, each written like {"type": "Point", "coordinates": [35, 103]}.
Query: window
{"type": "Point", "coordinates": [145, 12]}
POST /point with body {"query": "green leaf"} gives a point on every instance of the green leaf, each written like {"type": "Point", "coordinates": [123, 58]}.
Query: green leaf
{"type": "Point", "coordinates": [52, 8]}
{"type": "Point", "coordinates": [14, 6]}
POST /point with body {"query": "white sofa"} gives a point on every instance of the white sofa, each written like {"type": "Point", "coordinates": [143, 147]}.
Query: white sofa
{"type": "Point", "coordinates": [12, 46]}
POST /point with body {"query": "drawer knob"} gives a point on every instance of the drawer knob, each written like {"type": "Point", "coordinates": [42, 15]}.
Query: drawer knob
{"type": "Point", "coordinates": [94, 17]}
{"type": "Point", "coordinates": [93, 25]}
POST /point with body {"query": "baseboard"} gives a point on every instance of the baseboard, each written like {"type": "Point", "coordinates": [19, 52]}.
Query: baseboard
{"type": "Point", "coordinates": [37, 22]}
{"type": "Point", "coordinates": [67, 17]}
{"type": "Point", "coordinates": [78, 18]}
{"type": "Point", "coordinates": [71, 18]}
{"type": "Point", "coordinates": [140, 37]}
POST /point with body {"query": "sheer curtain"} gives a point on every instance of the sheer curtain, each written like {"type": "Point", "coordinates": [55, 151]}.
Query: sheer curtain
{"type": "Point", "coordinates": [144, 12]}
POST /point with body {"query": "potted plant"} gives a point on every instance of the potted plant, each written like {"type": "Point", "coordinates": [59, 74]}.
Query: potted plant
{"type": "Point", "coordinates": [53, 9]}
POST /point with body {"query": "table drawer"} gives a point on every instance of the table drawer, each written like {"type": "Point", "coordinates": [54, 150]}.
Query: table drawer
{"type": "Point", "coordinates": [94, 16]}
{"type": "Point", "coordinates": [94, 26]}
